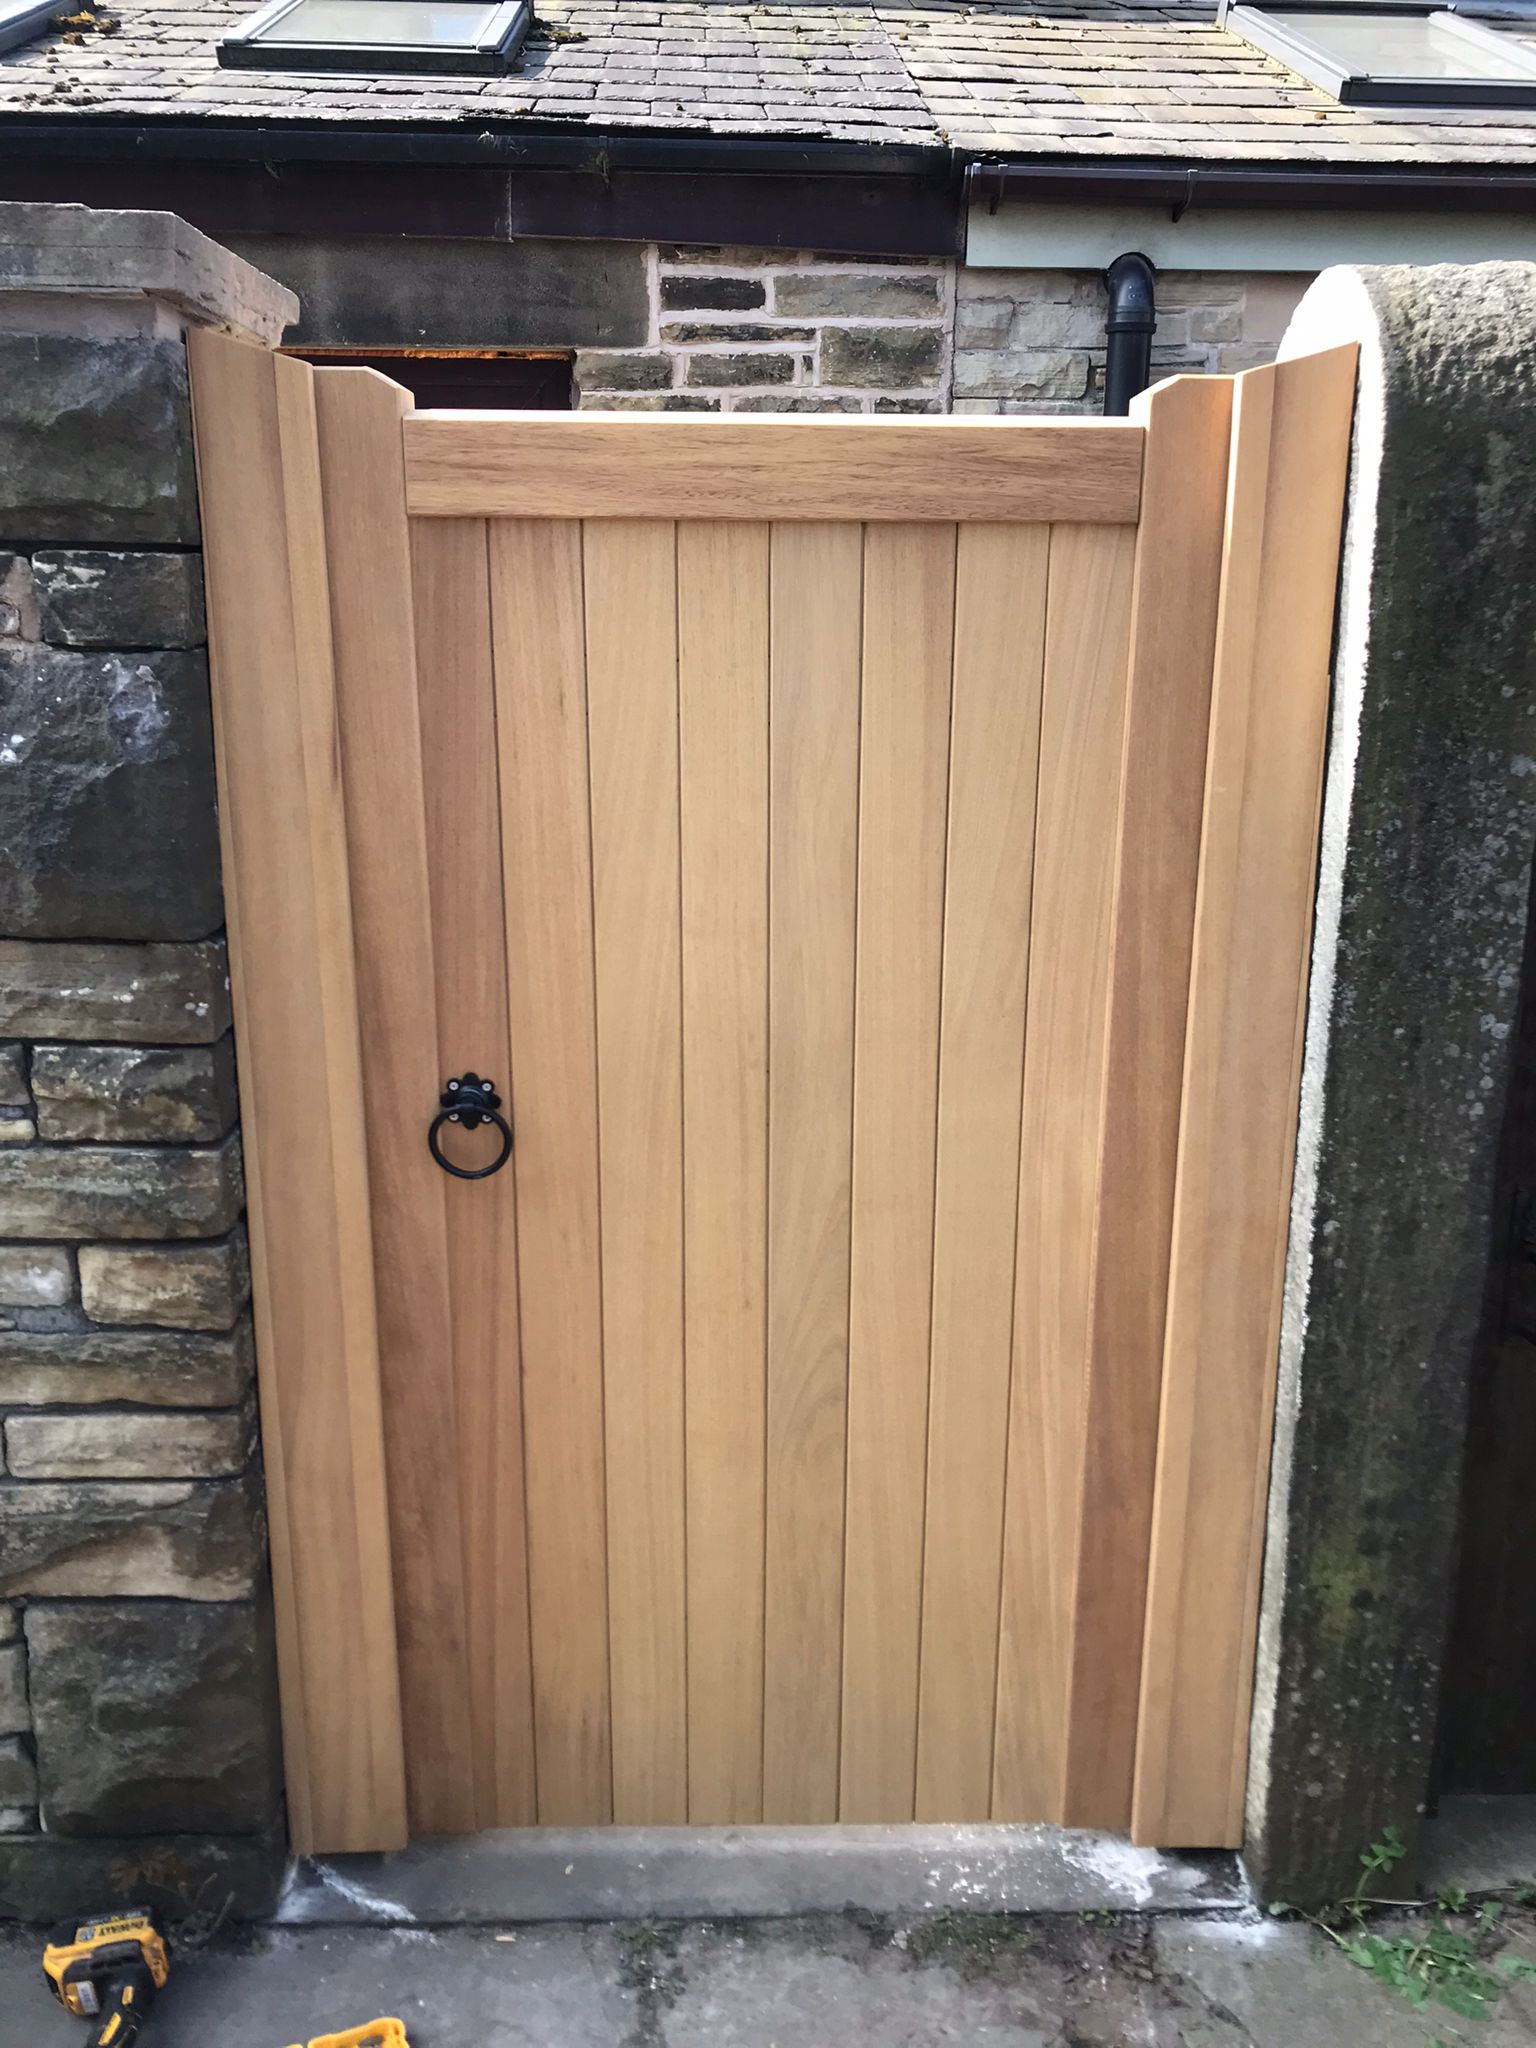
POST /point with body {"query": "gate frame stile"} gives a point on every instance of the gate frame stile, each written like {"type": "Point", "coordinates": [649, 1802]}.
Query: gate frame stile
{"type": "Point", "coordinates": [283, 835]}
{"type": "Point", "coordinates": [1180, 546]}
{"type": "Point", "coordinates": [1238, 1111]}
{"type": "Point", "coordinates": [380, 709]}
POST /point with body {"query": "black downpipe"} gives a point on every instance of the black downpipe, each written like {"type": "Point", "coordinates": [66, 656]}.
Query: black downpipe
{"type": "Point", "coordinates": [1132, 321]}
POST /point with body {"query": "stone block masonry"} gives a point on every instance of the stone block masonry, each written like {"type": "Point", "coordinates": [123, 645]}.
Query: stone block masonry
{"type": "Point", "coordinates": [753, 330]}
{"type": "Point", "coordinates": [1032, 341]}
{"type": "Point", "coordinates": [138, 1729]}
{"type": "Point", "coordinates": [756, 330]}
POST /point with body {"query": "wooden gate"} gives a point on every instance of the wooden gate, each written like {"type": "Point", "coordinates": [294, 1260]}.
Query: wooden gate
{"type": "Point", "coordinates": [873, 859]}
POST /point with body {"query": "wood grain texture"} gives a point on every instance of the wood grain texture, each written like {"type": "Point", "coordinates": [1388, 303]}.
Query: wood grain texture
{"type": "Point", "coordinates": [374, 646]}
{"type": "Point", "coordinates": [488, 464]}
{"type": "Point", "coordinates": [1173, 642]}
{"type": "Point", "coordinates": [817, 579]}
{"type": "Point", "coordinates": [994, 746]}
{"type": "Point", "coordinates": [631, 623]}
{"type": "Point", "coordinates": [909, 598]}
{"type": "Point", "coordinates": [288, 894]}
{"type": "Point", "coordinates": [1269, 713]}
{"type": "Point", "coordinates": [450, 574]}
{"type": "Point", "coordinates": [723, 698]}
{"type": "Point", "coordinates": [541, 728]}
{"type": "Point", "coordinates": [1081, 744]}
{"type": "Point", "coordinates": [900, 1030]}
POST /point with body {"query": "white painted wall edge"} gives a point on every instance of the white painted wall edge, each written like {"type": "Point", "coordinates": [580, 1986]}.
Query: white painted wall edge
{"type": "Point", "coordinates": [1054, 236]}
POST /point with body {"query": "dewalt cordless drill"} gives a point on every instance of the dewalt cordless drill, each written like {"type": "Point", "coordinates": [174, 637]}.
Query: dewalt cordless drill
{"type": "Point", "coordinates": [109, 1970]}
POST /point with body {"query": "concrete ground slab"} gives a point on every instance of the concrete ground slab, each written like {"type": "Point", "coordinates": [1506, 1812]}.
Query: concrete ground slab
{"type": "Point", "coordinates": [1480, 1843]}
{"type": "Point", "coordinates": [556, 1988]}
{"type": "Point", "coordinates": [543, 1874]}
{"type": "Point", "coordinates": [1267, 1984]}
{"type": "Point", "coordinates": [824, 1981]}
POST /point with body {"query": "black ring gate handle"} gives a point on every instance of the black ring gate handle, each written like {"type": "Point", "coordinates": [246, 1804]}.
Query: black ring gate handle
{"type": "Point", "coordinates": [470, 1103]}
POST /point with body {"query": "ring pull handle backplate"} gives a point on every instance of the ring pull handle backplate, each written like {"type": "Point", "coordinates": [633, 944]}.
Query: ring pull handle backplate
{"type": "Point", "coordinates": [469, 1103]}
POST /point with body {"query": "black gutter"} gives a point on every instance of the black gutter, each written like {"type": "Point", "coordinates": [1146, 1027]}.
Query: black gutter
{"type": "Point", "coordinates": [561, 146]}
{"type": "Point", "coordinates": [563, 180]}
{"type": "Point", "coordinates": [528, 144]}
{"type": "Point", "coordinates": [1181, 186]}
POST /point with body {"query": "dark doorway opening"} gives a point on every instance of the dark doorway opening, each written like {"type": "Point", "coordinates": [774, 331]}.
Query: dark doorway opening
{"type": "Point", "coordinates": [487, 379]}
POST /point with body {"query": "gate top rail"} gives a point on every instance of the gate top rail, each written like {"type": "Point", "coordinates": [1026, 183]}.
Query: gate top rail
{"type": "Point", "coordinates": [534, 465]}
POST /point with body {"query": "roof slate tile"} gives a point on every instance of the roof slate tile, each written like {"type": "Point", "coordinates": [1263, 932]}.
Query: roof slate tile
{"type": "Point", "coordinates": [1075, 78]}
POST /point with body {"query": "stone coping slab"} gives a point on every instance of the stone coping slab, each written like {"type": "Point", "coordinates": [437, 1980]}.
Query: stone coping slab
{"type": "Point", "coordinates": [101, 252]}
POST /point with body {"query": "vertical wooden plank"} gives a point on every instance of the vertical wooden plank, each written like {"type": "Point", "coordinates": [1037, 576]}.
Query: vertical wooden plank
{"type": "Point", "coordinates": [994, 743]}
{"type": "Point", "coordinates": [817, 574]}
{"type": "Point", "coordinates": [1173, 643]}
{"type": "Point", "coordinates": [451, 586]}
{"type": "Point", "coordinates": [1082, 721]}
{"type": "Point", "coordinates": [723, 701]}
{"type": "Point", "coordinates": [631, 618]}
{"type": "Point", "coordinates": [373, 635]}
{"type": "Point", "coordinates": [1242, 1065]}
{"type": "Point", "coordinates": [909, 597]}
{"type": "Point", "coordinates": [286, 884]}
{"type": "Point", "coordinates": [541, 734]}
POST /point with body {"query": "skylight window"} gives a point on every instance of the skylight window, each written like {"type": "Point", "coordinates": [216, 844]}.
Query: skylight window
{"type": "Point", "coordinates": [379, 35]}
{"type": "Point", "coordinates": [1391, 55]}
{"type": "Point", "coordinates": [21, 20]}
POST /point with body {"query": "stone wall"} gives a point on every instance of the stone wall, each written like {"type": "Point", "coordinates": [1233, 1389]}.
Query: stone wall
{"type": "Point", "coordinates": [1032, 341]}
{"type": "Point", "coordinates": [138, 1726]}
{"type": "Point", "coordinates": [696, 329]}
{"type": "Point", "coordinates": [757, 330]}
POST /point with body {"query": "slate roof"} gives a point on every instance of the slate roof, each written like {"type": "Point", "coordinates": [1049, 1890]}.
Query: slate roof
{"type": "Point", "coordinates": [1092, 78]}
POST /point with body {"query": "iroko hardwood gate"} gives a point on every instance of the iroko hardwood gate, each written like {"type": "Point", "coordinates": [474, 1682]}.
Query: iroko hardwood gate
{"type": "Point", "coordinates": [852, 1401]}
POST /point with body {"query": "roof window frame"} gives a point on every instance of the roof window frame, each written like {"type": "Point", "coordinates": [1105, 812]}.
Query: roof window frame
{"type": "Point", "coordinates": [1256, 24]}
{"type": "Point", "coordinates": [23, 20]}
{"type": "Point", "coordinates": [252, 45]}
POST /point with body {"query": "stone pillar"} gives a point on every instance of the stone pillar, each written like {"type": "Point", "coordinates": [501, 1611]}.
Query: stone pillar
{"type": "Point", "coordinates": [1429, 827]}
{"type": "Point", "coordinates": [138, 1729]}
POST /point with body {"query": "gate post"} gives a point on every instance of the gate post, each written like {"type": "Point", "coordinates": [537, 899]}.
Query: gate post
{"type": "Point", "coordinates": [138, 1732]}
{"type": "Point", "coordinates": [1428, 832]}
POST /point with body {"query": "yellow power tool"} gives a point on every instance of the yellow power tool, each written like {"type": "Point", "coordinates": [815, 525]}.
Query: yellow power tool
{"type": "Point", "coordinates": [109, 1970]}
{"type": "Point", "coordinates": [377, 2034]}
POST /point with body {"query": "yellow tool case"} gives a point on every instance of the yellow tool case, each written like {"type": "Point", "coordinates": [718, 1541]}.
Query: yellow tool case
{"type": "Point", "coordinates": [377, 2034]}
